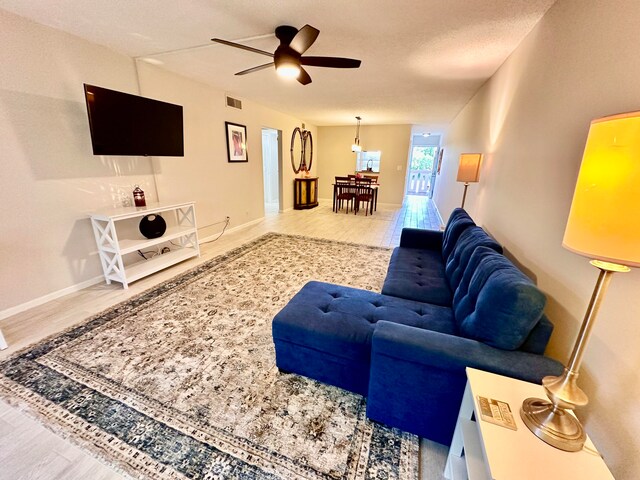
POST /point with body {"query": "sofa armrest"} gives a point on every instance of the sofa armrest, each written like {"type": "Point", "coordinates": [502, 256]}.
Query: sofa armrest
{"type": "Point", "coordinates": [419, 238]}
{"type": "Point", "coordinates": [452, 353]}
{"type": "Point", "coordinates": [417, 376]}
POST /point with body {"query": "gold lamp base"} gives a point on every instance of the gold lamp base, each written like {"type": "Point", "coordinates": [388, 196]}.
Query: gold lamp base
{"type": "Point", "coordinates": [553, 425]}
{"type": "Point", "coordinates": [552, 421]}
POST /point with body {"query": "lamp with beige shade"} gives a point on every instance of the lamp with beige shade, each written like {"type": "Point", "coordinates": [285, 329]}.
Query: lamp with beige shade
{"type": "Point", "coordinates": [603, 225]}
{"type": "Point", "coordinates": [468, 171]}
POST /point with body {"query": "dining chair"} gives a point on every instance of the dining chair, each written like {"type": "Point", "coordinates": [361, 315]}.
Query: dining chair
{"type": "Point", "coordinates": [364, 193]}
{"type": "Point", "coordinates": [345, 192]}
{"type": "Point", "coordinates": [374, 178]}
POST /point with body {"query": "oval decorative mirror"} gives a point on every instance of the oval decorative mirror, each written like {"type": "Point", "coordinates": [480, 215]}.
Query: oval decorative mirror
{"type": "Point", "coordinates": [307, 149]}
{"type": "Point", "coordinates": [297, 145]}
{"type": "Point", "coordinates": [302, 141]}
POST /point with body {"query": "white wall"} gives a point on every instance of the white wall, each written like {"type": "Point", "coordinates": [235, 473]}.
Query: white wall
{"type": "Point", "coordinates": [50, 178]}
{"type": "Point", "coordinates": [51, 181]}
{"type": "Point", "coordinates": [531, 121]}
{"type": "Point", "coordinates": [219, 188]}
{"type": "Point", "coordinates": [422, 141]}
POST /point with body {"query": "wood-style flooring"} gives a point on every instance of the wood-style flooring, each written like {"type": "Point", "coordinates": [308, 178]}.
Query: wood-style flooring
{"type": "Point", "coordinates": [30, 451]}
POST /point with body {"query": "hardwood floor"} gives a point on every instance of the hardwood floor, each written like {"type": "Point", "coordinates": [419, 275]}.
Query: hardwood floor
{"type": "Point", "coordinates": [30, 451]}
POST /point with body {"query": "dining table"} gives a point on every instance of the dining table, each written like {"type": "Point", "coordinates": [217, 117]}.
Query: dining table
{"type": "Point", "coordinates": [373, 187]}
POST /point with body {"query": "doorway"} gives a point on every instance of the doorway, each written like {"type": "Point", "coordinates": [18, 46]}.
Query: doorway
{"type": "Point", "coordinates": [271, 170]}
{"type": "Point", "coordinates": [421, 174]}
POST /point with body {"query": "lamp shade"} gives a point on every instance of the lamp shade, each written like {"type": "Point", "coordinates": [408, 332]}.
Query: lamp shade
{"type": "Point", "coordinates": [469, 167]}
{"type": "Point", "coordinates": [604, 220]}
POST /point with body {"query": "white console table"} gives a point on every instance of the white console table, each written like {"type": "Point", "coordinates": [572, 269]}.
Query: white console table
{"type": "Point", "coordinates": [117, 235]}
{"type": "Point", "coordinates": [482, 450]}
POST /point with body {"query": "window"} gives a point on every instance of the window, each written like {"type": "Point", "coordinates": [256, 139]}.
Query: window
{"type": "Point", "coordinates": [368, 161]}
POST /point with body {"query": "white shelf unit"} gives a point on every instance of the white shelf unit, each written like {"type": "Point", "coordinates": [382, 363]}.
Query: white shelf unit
{"type": "Point", "coordinates": [116, 238]}
{"type": "Point", "coordinates": [483, 451]}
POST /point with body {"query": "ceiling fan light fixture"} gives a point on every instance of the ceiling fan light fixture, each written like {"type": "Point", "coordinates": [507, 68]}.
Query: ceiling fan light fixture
{"type": "Point", "coordinates": [288, 58]}
{"type": "Point", "coordinates": [287, 64]}
{"type": "Point", "coordinates": [355, 147]}
{"type": "Point", "coordinates": [288, 70]}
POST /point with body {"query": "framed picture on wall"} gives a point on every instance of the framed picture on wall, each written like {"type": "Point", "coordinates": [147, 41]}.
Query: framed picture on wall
{"type": "Point", "coordinates": [236, 142]}
{"type": "Point", "coordinates": [440, 154]}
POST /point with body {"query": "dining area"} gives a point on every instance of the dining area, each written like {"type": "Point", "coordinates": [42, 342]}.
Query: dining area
{"type": "Point", "coordinates": [356, 193]}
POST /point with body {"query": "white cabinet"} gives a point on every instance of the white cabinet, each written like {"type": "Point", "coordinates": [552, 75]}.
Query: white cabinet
{"type": "Point", "coordinates": [120, 242]}
{"type": "Point", "coordinates": [483, 451]}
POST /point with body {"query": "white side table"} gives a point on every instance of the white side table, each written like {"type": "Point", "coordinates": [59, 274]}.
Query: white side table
{"type": "Point", "coordinates": [3, 342]}
{"type": "Point", "coordinates": [498, 453]}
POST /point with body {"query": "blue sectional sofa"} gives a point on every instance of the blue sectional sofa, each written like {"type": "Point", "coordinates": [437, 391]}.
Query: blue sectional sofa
{"type": "Point", "coordinates": [450, 300]}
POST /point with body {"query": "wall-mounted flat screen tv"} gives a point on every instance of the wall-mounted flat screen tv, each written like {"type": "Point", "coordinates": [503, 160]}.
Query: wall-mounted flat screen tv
{"type": "Point", "coordinates": [125, 124]}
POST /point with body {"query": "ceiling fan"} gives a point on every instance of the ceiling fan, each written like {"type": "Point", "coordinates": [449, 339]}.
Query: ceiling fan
{"type": "Point", "coordinates": [288, 58]}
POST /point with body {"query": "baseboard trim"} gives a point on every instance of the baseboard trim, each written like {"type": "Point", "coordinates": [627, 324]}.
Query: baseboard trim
{"type": "Point", "coordinates": [439, 216]}
{"type": "Point", "coordinates": [49, 297]}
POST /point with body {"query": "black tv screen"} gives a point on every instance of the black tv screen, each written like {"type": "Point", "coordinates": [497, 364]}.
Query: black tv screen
{"type": "Point", "coordinates": [125, 124]}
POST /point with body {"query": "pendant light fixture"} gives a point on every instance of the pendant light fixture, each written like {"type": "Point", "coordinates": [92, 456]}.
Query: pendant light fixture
{"type": "Point", "coordinates": [356, 144]}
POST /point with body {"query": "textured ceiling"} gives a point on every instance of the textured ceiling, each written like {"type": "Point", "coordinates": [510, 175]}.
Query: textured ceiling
{"type": "Point", "coordinates": [421, 60]}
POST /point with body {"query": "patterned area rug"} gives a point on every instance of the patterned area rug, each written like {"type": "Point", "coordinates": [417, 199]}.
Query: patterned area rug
{"type": "Point", "coordinates": [180, 381]}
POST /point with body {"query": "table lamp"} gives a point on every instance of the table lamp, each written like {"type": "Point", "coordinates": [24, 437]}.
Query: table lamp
{"type": "Point", "coordinates": [603, 225]}
{"type": "Point", "coordinates": [468, 171]}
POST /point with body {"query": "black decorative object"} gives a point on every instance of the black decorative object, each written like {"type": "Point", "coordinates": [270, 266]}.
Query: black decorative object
{"type": "Point", "coordinates": [153, 226]}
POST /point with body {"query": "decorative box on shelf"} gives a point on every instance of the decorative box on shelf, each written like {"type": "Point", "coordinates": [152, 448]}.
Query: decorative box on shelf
{"type": "Point", "coordinates": [305, 193]}
{"type": "Point", "coordinates": [117, 235]}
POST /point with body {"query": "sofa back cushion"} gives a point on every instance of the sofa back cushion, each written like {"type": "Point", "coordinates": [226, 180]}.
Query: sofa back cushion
{"type": "Point", "coordinates": [458, 222]}
{"type": "Point", "coordinates": [495, 302]}
{"type": "Point", "coordinates": [468, 241]}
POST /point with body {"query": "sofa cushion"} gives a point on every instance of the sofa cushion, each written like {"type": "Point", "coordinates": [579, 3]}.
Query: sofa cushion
{"type": "Point", "coordinates": [458, 222]}
{"type": "Point", "coordinates": [495, 302]}
{"type": "Point", "coordinates": [325, 331]}
{"type": "Point", "coordinates": [341, 320]}
{"type": "Point", "coordinates": [417, 274]}
{"type": "Point", "coordinates": [469, 240]}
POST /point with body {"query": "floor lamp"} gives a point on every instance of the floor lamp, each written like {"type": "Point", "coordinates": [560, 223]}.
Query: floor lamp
{"type": "Point", "coordinates": [603, 225]}
{"type": "Point", "coordinates": [468, 171]}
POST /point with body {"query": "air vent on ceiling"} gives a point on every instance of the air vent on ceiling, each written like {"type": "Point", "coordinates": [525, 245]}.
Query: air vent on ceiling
{"type": "Point", "coordinates": [234, 102]}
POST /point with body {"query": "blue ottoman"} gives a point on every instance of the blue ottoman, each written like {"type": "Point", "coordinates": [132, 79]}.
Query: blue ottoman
{"type": "Point", "coordinates": [325, 331]}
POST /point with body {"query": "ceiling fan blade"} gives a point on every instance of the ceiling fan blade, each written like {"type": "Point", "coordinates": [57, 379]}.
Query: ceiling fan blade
{"type": "Point", "coordinates": [304, 77]}
{"type": "Point", "coordinates": [331, 62]}
{"type": "Point", "coordinates": [243, 47]}
{"type": "Point", "coordinates": [255, 69]}
{"type": "Point", "coordinates": [304, 39]}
